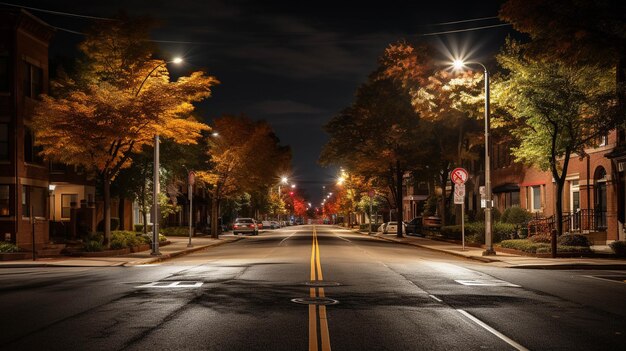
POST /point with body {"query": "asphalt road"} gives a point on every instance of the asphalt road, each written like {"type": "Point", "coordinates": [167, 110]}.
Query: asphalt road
{"type": "Point", "coordinates": [356, 293]}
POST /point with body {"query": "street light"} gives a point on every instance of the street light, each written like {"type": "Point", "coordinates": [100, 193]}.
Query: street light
{"type": "Point", "coordinates": [489, 251]}
{"type": "Point", "coordinates": [156, 185]}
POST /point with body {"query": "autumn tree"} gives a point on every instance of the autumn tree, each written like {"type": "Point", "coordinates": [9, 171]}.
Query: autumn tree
{"type": "Point", "coordinates": [119, 98]}
{"type": "Point", "coordinates": [558, 110]}
{"type": "Point", "coordinates": [448, 107]}
{"type": "Point", "coordinates": [243, 157]}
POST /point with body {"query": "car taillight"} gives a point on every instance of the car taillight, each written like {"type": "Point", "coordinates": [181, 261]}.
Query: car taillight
{"type": "Point", "coordinates": [235, 226]}
{"type": "Point", "coordinates": [251, 225]}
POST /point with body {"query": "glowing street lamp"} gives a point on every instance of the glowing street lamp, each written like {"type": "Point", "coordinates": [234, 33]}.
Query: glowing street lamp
{"type": "Point", "coordinates": [460, 64]}
{"type": "Point", "coordinates": [156, 185]}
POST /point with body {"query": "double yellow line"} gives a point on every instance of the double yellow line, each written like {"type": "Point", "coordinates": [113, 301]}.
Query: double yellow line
{"type": "Point", "coordinates": [316, 275]}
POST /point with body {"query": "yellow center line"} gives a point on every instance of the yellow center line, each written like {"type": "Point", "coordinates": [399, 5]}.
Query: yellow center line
{"type": "Point", "coordinates": [325, 335]}
{"type": "Point", "coordinates": [312, 308]}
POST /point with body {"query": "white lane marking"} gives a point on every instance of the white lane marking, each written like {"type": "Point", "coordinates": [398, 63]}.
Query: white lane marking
{"type": "Point", "coordinates": [178, 284]}
{"type": "Point", "coordinates": [435, 298]}
{"type": "Point", "coordinates": [493, 331]}
{"type": "Point", "coordinates": [282, 241]}
{"type": "Point", "coordinates": [607, 280]}
{"type": "Point", "coordinates": [342, 238]}
{"type": "Point", "coordinates": [485, 282]}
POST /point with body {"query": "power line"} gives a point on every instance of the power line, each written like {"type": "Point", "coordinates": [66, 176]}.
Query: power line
{"type": "Point", "coordinates": [464, 30]}
{"type": "Point", "coordinates": [58, 12]}
{"type": "Point", "coordinates": [462, 21]}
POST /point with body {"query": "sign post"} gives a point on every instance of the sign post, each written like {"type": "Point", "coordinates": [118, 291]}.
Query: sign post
{"type": "Point", "coordinates": [459, 177]}
{"type": "Point", "coordinates": [191, 180]}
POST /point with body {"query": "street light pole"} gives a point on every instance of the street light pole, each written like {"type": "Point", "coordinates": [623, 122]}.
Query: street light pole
{"type": "Point", "coordinates": [489, 251]}
{"type": "Point", "coordinates": [156, 185]}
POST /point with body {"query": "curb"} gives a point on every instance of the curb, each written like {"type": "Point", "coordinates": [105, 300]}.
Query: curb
{"type": "Point", "coordinates": [184, 252]}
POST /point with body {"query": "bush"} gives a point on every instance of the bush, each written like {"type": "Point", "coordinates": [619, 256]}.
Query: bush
{"type": "Point", "coordinates": [476, 230]}
{"type": "Point", "coordinates": [516, 215]}
{"type": "Point", "coordinates": [99, 237]}
{"type": "Point", "coordinates": [523, 245]}
{"type": "Point", "coordinates": [573, 240]}
{"type": "Point", "coordinates": [8, 247]}
{"type": "Point", "coordinates": [92, 246]}
{"type": "Point", "coordinates": [541, 238]}
{"type": "Point", "coordinates": [115, 224]}
{"type": "Point", "coordinates": [139, 228]}
{"type": "Point", "coordinates": [565, 249]}
{"type": "Point", "coordinates": [495, 214]}
{"type": "Point", "coordinates": [122, 239]}
{"type": "Point", "coordinates": [175, 231]}
{"type": "Point", "coordinates": [533, 247]}
{"type": "Point", "coordinates": [619, 247]}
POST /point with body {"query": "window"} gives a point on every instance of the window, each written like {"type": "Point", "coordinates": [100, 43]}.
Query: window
{"type": "Point", "coordinates": [602, 140]}
{"type": "Point", "coordinates": [4, 141]}
{"type": "Point", "coordinates": [5, 209]}
{"type": "Point", "coordinates": [66, 204]}
{"type": "Point", "coordinates": [4, 72]}
{"type": "Point", "coordinates": [25, 201]}
{"type": "Point", "coordinates": [33, 198]}
{"type": "Point", "coordinates": [535, 198]}
{"type": "Point", "coordinates": [33, 80]}
{"type": "Point", "coordinates": [31, 151]}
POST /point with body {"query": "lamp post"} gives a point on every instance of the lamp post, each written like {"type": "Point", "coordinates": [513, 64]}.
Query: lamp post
{"type": "Point", "coordinates": [155, 182]}
{"type": "Point", "coordinates": [489, 251]}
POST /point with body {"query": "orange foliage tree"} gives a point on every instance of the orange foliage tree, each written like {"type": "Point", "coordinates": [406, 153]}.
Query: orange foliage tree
{"type": "Point", "coordinates": [119, 98]}
{"type": "Point", "coordinates": [243, 157]}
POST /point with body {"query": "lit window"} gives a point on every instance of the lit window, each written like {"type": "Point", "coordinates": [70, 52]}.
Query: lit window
{"type": "Point", "coordinates": [66, 204]}
{"type": "Point", "coordinates": [5, 209]}
{"type": "Point", "coordinates": [535, 198]}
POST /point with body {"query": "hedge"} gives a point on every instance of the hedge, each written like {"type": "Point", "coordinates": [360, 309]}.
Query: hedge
{"type": "Point", "coordinates": [122, 239]}
{"type": "Point", "coordinates": [175, 231]}
{"type": "Point", "coordinates": [8, 247]}
{"type": "Point", "coordinates": [534, 247]}
{"type": "Point", "coordinates": [476, 231]}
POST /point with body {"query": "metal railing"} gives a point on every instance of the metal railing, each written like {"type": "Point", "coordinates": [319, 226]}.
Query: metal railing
{"type": "Point", "coordinates": [581, 221]}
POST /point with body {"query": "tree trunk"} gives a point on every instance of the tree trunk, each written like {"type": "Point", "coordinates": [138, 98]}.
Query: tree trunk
{"type": "Point", "coordinates": [107, 210]}
{"type": "Point", "coordinates": [399, 198]}
{"type": "Point", "coordinates": [560, 184]}
{"type": "Point", "coordinates": [214, 217]}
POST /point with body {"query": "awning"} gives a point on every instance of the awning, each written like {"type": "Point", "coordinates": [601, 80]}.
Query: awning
{"type": "Point", "coordinates": [505, 188]}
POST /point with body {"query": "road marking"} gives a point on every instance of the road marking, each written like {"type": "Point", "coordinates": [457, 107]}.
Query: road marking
{"type": "Point", "coordinates": [179, 284]}
{"type": "Point", "coordinates": [435, 298]}
{"type": "Point", "coordinates": [292, 234]}
{"type": "Point", "coordinates": [606, 279]}
{"type": "Point", "coordinates": [493, 331]}
{"type": "Point", "coordinates": [316, 275]}
{"type": "Point", "coordinates": [485, 282]}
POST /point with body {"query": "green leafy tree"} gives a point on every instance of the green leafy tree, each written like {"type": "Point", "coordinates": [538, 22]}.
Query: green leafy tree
{"type": "Point", "coordinates": [377, 137]}
{"type": "Point", "coordinates": [558, 110]}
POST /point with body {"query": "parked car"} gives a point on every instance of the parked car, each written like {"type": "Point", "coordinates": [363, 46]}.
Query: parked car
{"type": "Point", "coordinates": [245, 225]}
{"type": "Point", "coordinates": [259, 224]}
{"type": "Point", "coordinates": [274, 224]}
{"type": "Point", "coordinates": [392, 227]}
{"type": "Point", "coordinates": [414, 226]}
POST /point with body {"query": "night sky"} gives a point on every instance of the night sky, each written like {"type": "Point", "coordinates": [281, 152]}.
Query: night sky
{"type": "Point", "coordinates": [292, 63]}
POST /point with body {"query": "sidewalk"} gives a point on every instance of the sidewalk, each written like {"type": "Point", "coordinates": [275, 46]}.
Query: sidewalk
{"type": "Point", "coordinates": [505, 259]}
{"type": "Point", "coordinates": [177, 247]}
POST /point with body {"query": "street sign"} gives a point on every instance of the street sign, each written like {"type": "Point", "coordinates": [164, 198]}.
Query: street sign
{"type": "Point", "coordinates": [192, 177]}
{"type": "Point", "coordinates": [459, 194]}
{"type": "Point", "coordinates": [458, 175]}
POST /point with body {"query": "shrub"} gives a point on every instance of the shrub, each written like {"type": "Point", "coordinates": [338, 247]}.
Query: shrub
{"type": "Point", "coordinates": [121, 239]}
{"type": "Point", "coordinates": [175, 231]}
{"type": "Point", "coordinates": [541, 238]}
{"type": "Point", "coordinates": [92, 246]}
{"type": "Point", "coordinates": [8, 247]}
{"type": "Point", "coordinates": [99, 237]}
{"type": "Point", "coordinates": [564, 249]}
{"type": "Point", "coordinates": [500, 231]}
{"type": "Point", "coordinates": [495, 214]}
{"type": "Point", "coordinates": [522, 245]}
{"type": "Point", "coordinates": [573, 240]}
{"type": "Point", "coordinates": [516, 215]}
{"type": "Point", "coordinates": [115, 224]}
{"type": "Point", "coordinates": [619, 247]}
{"type": "Point", "coordinates": [503, 231]}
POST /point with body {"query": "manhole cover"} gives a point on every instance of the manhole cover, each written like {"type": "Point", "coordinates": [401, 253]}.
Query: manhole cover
{"type": "Point", "coordinates": [321, 283]}
{"type": "Point", "coordinates": [315, 301]}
